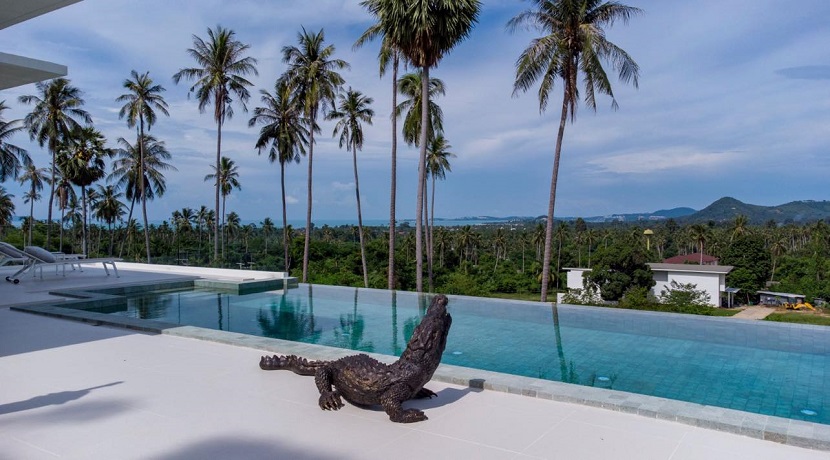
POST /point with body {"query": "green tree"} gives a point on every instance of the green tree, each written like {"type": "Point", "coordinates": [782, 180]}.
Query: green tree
{"type": "Point", "coordinates": [352, 111]}
{"type": "Point", "coordinates": [751, 261]}
{"type": "Point", "coordinates": [109, 208]}
{"type": "Point", "coordinates": [83, 164]}
{"type": "Point", "coordinates": [35, 177]}
{"type": "Point", "coordinates": [284, 135]}
{"type": "Point", "coordinates": [424, 31]}
{"type": "Point", "coordinates": [141, 101]}
{"type": "Point", "coordinates": [312, 74]}
{"type": "Point", "coordinates": [679, 295]}
{"type": "Point", "coordinates": [219, 75]}
{"type": "Point", "coordinates": [12, 157]}
{"type": "Point", "coordinates": [573, 44]}
{"type": "Point", "coordinates": [410, 86]}
{"type": "Point", "coordinates": [55, 115]}
{"type": "Point", "coordinates": [228, 179]}
{"type": "Point", "coordinates": [699, 235]}
{"type": "Point", "coordinates": [438, 164]}
{"type": "Point", "coordinates": [618, 268]}
{"type": "Point", "coordinates": [141, 180]}
{"type": "Point", "coordinates": [6, 209]}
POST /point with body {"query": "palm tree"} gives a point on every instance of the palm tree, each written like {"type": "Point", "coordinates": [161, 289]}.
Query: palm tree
{"type": "Point", "coordinates": [740, 226]}
{"type": "Point", "coordinates": [312, 75]}
{"type": "Point", "coordinates": [220, 74]}
{"type": "Point", "coordinates": [12, 157]}
{"type": "Point", "coordinates": [228, 179]}
{"type": "Point", "coordinates": [574, 43]}
{"type": "Point", "coordinates": [285, 132]}
{"type": "Point", "coordinates": [35, 177]}
{"type": "Point", "coordinates": [128, 170]}
{"type": "Point", "coordinates": [353, 110]}
{"type": "Point", "coordinates": [410, 86]}
{"type": "Point", "coordinates": [267, 229]}
{"type": "Point", "coordinates": [438, 164]}
{"type": "Point", "coordinates": [140, 104]}
{"type": "Point", "coordinates": [109, 208]}
{"type": "Point", "coordinates": [424, 31]}
{"type": "Point", "coordinates": [64, 193]}
{"type": "Point", "coordinates": [6, 209]}
{"type": "Point", "coordinates": [699, 233]}
{"type": "Point", "coordinates": [388, 55]}
{"type": "Point", "coordinates": [57, 106]}
{"type": "Point", "coordinates": [83, 164]}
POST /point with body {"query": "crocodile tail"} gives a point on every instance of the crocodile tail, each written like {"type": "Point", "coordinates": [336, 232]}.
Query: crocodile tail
{"type": "Point", "coordinates": [293, 363]}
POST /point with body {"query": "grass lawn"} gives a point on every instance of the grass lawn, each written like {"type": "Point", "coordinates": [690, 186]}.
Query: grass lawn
{"type": "Point", "coordinates": [799, 318]}
{"type": "Point", "coordinates": [517, 296]}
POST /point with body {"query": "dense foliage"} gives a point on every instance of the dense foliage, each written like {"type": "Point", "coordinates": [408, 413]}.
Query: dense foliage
{"type": "Point", "coordinates": [482, 260]}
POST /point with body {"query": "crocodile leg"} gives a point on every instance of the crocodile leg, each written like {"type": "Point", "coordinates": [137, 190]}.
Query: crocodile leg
{"type": "Point", "coordinates": [329, 398]}
{"type": "Point", "coordinates": [391, 402]}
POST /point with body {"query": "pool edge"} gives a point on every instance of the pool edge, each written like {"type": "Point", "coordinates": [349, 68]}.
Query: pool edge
{"type": "Point", "coordinates": [797, 433]}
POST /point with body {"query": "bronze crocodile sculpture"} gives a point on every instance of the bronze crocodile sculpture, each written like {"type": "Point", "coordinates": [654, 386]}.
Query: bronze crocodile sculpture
{"type": "Point", "coordinates": [365, 381]}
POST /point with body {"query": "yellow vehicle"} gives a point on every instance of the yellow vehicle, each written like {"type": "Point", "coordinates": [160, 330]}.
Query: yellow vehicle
{"type": "Point", "coordinates": [799, 306]}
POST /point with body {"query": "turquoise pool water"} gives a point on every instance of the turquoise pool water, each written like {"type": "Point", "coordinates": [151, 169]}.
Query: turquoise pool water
{"type": "Point", "coordinates": [754, 366]}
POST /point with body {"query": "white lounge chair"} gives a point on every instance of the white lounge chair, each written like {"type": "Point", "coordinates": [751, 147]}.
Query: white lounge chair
{"type": "Point", "coordinates": [40, 258]}
{"type": "Point", "coordinates": [10, 255]}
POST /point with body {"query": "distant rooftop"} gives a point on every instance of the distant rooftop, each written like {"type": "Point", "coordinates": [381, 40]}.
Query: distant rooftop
{"type": "Point", "coordinates": [693, 258]}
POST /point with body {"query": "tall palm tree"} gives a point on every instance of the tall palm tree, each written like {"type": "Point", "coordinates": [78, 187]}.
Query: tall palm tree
{"type": "Point", "coordinates": [56, 111]}
{"type": "Point", "coordinates": [140, 104]}
{"type": "Point", "coordinates": [740, 226]}
{"type": "Point", "coordinates": [35, 177]}
{"type": "Point", "coordinates": [573, 45]}
{"type": "Point", "coordinates": [142, 180]}
{"type": "Point", "coordinates": [6, 209]}
{"type": "Point", "coordinates": [388, 56]}
{"type": "Point", "coordinates": [410, 86]}
{"type": "Point", "coordinates": [424, 31]}
{"type": "Point", "coordinates": [438, 163]}
{"type": "Point", "coordinates": [352, 111]}
{"type": "Point", "coordinates": [267, 229]}
{"type": "Point", "coordinates": [109, 208]}
{"type": "Point", "coordinates": [12, 157]}
{"type": "Point", "coordinates": [64, 193]}
{"type": "Point", "coordinates": [312, 74]}
{"type": "Point", "coordinates": [83, 164]}
{"type": "Point", "coordinates": [284, 134]}
{"type": "Point", "coordinates": [222, 66]}
{"type": "Point", "coordinates": [228, 179]}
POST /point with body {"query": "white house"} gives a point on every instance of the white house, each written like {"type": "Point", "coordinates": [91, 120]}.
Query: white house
{"type": "Point", "coordinates": [709, 278]}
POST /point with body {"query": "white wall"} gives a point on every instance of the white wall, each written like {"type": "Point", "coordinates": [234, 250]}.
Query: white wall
{"type": "Point", "coordinates": [712, 283]}
{"type": "Point", "coordinates": [575, 277]}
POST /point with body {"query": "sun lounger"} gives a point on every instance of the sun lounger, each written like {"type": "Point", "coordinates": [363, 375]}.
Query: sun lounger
{"type": "Point", "coordinates": [10, 254]}
{"type": "Point", "coordinates": [39, 258]}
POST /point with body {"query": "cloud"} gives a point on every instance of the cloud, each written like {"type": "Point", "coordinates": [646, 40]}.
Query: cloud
{"type": "Point", "coordinates": [807, 72]}
{"type": "Point", "coordinates": [661, 160]}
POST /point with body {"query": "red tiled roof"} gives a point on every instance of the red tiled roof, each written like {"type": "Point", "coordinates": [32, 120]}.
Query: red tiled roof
{"type": "Point", "coordinates": [693, 258]}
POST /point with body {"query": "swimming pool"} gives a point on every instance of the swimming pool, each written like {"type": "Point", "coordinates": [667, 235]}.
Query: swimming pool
{"type": "Point", "coordinates": [753, 366]}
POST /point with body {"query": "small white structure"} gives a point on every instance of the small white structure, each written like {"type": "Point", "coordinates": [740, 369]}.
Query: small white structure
{"type": "Point", "coordinates": [575, 276]}
{"type": "Point", "coordinates": [708, 278]}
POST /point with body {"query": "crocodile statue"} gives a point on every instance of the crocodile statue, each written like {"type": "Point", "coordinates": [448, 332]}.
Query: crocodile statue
{"type": "Point", "coordinates": [365, 381]}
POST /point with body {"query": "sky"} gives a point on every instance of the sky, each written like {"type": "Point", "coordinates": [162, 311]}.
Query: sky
{"type": "Point", "coordinates": [733, 100]}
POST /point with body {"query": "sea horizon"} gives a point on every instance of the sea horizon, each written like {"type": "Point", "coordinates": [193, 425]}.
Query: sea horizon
{"type": "Point", "coordinates": [318, 223]}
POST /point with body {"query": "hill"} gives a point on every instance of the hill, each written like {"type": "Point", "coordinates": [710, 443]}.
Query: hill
{"type": "Point", "coordinates": [728, 208]}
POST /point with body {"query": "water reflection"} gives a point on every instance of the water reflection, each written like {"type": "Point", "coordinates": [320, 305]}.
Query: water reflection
{"type": "Point", "coordinates": [352, 327]}
{"type": "Point", "coordinates": [151, 307]}
{"type": "Point", "coordinates": [285, 320]}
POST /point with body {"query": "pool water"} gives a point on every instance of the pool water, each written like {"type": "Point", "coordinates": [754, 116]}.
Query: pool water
{"type": "Point", "coordinates": [754, 366]}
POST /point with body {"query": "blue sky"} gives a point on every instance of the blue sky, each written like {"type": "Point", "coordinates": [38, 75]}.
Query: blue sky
{"type": "Point", "coordinates": [733, 101]}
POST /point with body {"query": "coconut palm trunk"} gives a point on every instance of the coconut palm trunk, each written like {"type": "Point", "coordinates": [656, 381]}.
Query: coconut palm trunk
{"type": "Point", "coordinates": [394, 179]}
{"type": "Point", "coordinates": [360, 219]}
{"type": "Point", "coordinates": [553, 180]}
{"type": "Point", "coordinates": [129, 219]}
{"type": "Point", "coordinates": [419, 202]}
{"type": "Point", "coordinates": [142, 186]}
{"type": "Point", "coordinates": [307, 243]}
{"type": "Point", "coordinates": [219, 119]}
{"type": "Point", "coordinates": [284, 218]}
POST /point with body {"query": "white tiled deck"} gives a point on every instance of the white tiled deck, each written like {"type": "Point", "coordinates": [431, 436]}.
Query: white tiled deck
{"type": "Point", "coordinates": [74, 390]}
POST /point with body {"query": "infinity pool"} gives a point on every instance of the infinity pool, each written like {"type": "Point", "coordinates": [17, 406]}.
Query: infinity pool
{"type": "Point", "coordinates": [754, 366]}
